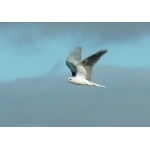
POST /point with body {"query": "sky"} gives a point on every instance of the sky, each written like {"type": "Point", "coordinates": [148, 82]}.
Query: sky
{"type": "Point", "coordinates": [33, 81]}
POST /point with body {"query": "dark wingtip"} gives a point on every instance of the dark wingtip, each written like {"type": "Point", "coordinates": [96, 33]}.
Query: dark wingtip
{"type": "Point", "coordinates": [104, 50]}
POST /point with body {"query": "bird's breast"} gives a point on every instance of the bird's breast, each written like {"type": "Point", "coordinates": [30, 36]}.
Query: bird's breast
{"type": "Point", "coordinates": [81, 81]}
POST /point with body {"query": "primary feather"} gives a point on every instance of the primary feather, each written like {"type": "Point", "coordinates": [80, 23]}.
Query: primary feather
{"type": "Point", "coordinates": [84, 68]}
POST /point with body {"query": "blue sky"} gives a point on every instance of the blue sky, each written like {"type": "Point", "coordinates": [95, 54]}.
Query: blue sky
{"type": "Point", "coordinates": [33, 81]}
{"type": "Point", "coordinates": [34, 49]}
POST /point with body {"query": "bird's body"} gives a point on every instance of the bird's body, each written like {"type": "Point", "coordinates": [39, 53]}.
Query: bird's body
{"type": "Point", "coordinates": [81, 81]}
{"type": "Point", "coordinates": [82, 70]}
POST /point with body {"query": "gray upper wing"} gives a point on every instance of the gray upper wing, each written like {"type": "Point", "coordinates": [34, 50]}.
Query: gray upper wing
{"type": "Point", "coordinates": [84, 68]}
{"type": "Point", "coordinates": [73, 59]}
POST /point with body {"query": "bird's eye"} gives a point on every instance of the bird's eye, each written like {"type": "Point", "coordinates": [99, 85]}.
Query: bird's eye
{"type": "Point", "coordinates": [70, 79]}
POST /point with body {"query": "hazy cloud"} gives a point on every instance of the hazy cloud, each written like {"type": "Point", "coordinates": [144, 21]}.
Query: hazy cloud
{"type": "Point", "coordinates": [26, 34]}
{"type": "Point", "coordinates": [51, 101]}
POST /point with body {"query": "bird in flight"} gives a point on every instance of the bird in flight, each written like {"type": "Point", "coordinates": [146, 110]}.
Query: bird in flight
{"type": "Point", "coordinates": [82, 69]}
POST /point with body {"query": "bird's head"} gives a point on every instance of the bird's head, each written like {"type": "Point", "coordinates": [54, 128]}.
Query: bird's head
{"type": "Point", "coordinates": [71, 79]}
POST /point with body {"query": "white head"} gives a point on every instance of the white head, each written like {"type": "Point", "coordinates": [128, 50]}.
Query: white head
{"type": "Point", "coordinates": [71, 79]}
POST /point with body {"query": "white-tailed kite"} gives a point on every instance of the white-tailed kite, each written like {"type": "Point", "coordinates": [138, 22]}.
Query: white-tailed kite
{"type": "Point", "coordinates": [82, 69]}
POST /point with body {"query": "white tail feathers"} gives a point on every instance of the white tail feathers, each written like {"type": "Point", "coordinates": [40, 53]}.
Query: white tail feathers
{"type": "Point", "coordinates": [94, 84]}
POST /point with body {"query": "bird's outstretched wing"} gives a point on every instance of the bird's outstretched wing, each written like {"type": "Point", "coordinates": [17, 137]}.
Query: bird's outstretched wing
{"type": "Point", "coordinates": [84, 68]}
{"type": "Point", "coordinates": [73, 59]}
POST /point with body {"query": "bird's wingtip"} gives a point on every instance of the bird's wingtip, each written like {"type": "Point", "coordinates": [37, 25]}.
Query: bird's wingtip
{"type": "Point", "coordinates": [104, 50]}
{"type": "Point", "coordinates": [78, 47]}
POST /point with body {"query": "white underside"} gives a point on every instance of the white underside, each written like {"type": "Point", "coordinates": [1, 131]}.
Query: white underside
{"type": "Point", "coordinates": [81, 81]}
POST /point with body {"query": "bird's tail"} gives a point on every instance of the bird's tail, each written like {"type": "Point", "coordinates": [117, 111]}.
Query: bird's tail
{"type": "Point", "coordinates": [94, 84]}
